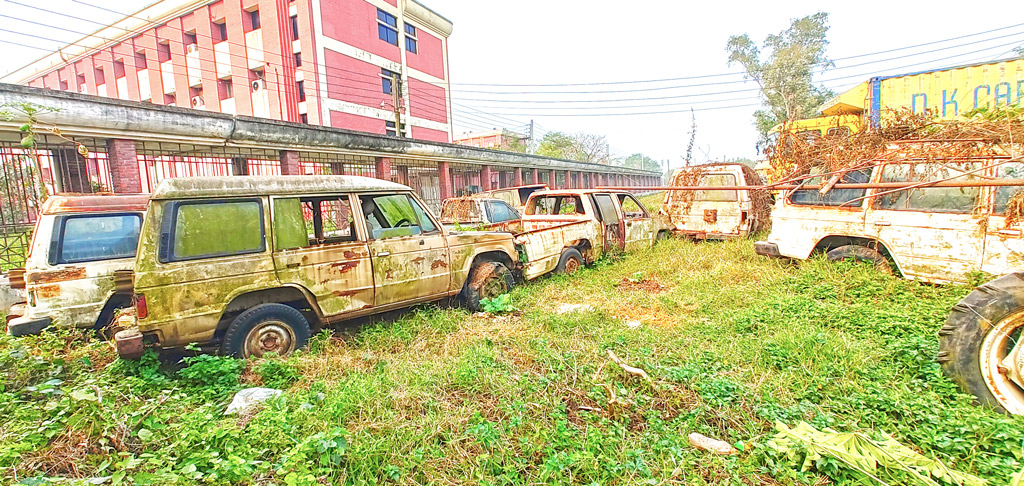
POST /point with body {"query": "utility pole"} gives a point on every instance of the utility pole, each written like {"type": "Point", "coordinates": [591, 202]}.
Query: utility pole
{"type": "Point", "coordinates": [396, 89]}
{"type": "Point", "coordinates": [529, 145]}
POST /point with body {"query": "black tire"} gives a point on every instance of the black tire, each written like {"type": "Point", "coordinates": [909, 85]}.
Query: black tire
{"type": "Point", "coordinates": [570, 261]}
{"type": "Point", "coordinates": [859, 253]}
{"type": "Point", "coordinates": [992, 310]}
{"type": "Point", "coordinates": [662, 236]}
{"type": "Point", "coordinates": [284, 329]}
{"type": "Point", "coordinates": [486, 281]}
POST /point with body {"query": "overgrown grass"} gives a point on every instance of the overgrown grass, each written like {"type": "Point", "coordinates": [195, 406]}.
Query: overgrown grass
{"type": "Point", "coordinates": [733, 343]}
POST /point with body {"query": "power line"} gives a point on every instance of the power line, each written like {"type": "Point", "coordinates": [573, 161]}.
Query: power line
{"type": "Point", "coordinates": [703, 76]}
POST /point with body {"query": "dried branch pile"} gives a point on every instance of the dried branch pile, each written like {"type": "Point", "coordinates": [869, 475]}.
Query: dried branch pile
{"type": "Point", "coordinates": [902, 136]}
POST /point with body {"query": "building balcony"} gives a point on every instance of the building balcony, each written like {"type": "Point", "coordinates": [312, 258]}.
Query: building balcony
{"type": "Point", "coordinates": [195, 75]}
{"type": "Point", "coordinates": [167, 75]}
{"type": "Point", "coordinates": [261, 103]}
{"type": "Point", "coordinates": [122, 88]}
{"type": "Point", "coordinates": [254, 48]}
{"type": "Point", "coordinates": [222, 57]}
{"type": "Point", "coordinates": [144, 92]}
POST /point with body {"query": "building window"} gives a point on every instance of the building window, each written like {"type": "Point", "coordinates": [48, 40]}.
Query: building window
{"type": "Point", "coordinates": [298, 59]}
{"type": "Point", "coordinates": [254, 19]}
{"type": "Point", "coordinates": [295, 28]}
{"type": "Point", "coordinates": [389, 128]}
{"type": "Point", "coordinates": [99, 76]}
{"type": "Point", "coordinates": [80, 81]}
{"type": "Point", "coordinates": [387, 27]}
{"type": "Point", "coordinates": [118, 69]}
{"type": "Point", "coordinates": [163, 51]}
{"type": "Point", "coordinates": [302, 91]}
{"type": "Point", "coordinates": [220, 31]}
{"type": "Point", "coordinates": [140, 60]}
{"type": "Point", "coordinates": [189, 38]}
{"type": "Point", "coordinates": [304, 118]}
{"type": "Point", "coordinates": [410, 38]}
{"type": "Point", "coordinates": [224, 89]}
{"type": "Point", "coordinates": [387, 78]}
{"type": "Point", "coordinates": [63, 85]}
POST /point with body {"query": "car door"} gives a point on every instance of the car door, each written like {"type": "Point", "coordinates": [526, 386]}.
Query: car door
{"type": "Point", "coordinates": [934, 233]}
{"type": "Point", "coordinates": [318, 246]}
{"type": "Point", "coordinates": [409, 252]}
{"type": "Point", "coordinates": [639, 228]}
{"type": "Point", "coordinates": [1004, 239]}
{"type": "Point", "coordinates": [608, 215]}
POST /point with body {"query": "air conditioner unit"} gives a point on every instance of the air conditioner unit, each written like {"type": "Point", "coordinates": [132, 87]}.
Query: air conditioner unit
{"type": "Point", "coordinates": [191, 49]}
{"type": "Point", "coordinates": [197, 101]}
{"type": "Point", "coordinates": [259, 85]}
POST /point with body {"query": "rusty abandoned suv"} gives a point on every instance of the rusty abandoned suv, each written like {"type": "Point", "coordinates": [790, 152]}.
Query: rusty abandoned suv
{"type": "Point", "coordinates": [251, 265]}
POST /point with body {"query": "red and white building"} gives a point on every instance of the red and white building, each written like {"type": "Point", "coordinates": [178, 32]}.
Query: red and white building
{"type": "Point", "coordinates": [493, 139]}
{"type": "Point", "coordinates": [332, 63]}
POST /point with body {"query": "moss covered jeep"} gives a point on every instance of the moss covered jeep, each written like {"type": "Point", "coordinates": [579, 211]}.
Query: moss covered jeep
{"type": "Point", "coordinates": [252, 265]}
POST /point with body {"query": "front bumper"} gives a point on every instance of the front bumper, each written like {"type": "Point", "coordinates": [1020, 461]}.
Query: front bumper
{"type": "Point", "coordinates": [767, 248]}
{"type": "Point", "coordinates": [24, 325]}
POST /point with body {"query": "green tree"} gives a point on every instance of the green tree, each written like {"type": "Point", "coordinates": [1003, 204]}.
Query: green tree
{"type": "Point", "coordinates": [641, 161]}
{"type": "Point", "coordinates": [584, 147]}
{"type": "Point", "coordinates": [785, 76]}
{"type": "Point", "coordinates": [558, 145]}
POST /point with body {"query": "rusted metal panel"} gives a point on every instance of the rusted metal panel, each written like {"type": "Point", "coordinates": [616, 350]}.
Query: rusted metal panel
{"type": "Point", "coordinates": [91, 203]}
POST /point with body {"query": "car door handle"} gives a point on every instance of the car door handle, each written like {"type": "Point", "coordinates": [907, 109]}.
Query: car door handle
{"type": "Point", "coordinates": [292, 265]}
{"type": "Point", "coordinates": [422, 242]}
{"type": "Point", "coordinates": [383, 253]}
{"type": "Point", "coordinates": [882, 223]}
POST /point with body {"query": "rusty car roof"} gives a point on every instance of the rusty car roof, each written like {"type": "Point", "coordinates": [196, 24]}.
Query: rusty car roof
{"type": "Point", "coordinates": [549, 192]}
{"type": "Point", "coordinates": [88, 203]}
{"type": "Point", "coordinates": [195, 187]}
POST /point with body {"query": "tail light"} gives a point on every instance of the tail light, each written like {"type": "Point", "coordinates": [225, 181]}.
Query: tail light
{"type": "Point", "coordinates": [140, 306]}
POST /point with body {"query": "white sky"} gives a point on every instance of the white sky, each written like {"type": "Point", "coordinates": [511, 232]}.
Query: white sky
{"type": "Point", "coordinates": [562, 41]}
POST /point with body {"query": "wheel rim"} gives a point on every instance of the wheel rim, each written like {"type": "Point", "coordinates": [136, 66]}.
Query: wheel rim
{"type": "Point", "coordinates": [1002, 363]}
{"type": "Point", "coordinates": [269, 337]}
{"type": "Point", "coordinates": [571, 265]}
{"type": "Point", "coordinates": [493, 286]}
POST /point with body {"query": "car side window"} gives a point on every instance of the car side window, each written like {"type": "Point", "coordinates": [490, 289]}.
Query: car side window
{"type": "Point", "coordinates": [931, 199]}
{"type": "Point", "coordinates": [606, 207]}
{"type": "Point", "coordinates": [390, 216]}
{"type": "Point", "coordinates": [834, 197]}
{"type": "Point", "coordinates": [631, 208]}
{"type": "Point", "coordinates": [206, 229]}
{"type": "Point", "coordinates": [1010, 170]}
{"type": "Point", "coordinates": [499, 212]}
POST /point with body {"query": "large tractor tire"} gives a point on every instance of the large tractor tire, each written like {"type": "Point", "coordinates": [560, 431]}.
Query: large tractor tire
{"type": "Point", "coordinates": [980, 346]}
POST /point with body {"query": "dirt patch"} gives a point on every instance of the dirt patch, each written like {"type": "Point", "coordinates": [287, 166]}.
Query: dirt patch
{"type": "Point", "coordinates": [644, 285]}
{"type": "Point", "coordinates": [648, 315]}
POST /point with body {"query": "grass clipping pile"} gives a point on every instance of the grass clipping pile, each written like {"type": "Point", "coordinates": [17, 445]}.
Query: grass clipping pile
{"type": "Point", "coordinates": [988, 137]}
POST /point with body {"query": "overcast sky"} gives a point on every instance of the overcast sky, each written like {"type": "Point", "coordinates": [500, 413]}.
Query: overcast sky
{"type": "Point", "coordinates": [535, 42]}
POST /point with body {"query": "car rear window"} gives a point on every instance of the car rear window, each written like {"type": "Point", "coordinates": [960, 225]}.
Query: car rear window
{"type": "Point", "coordinates": [717, 180]}
{"type": "Point", "coordinates": [90, 238]}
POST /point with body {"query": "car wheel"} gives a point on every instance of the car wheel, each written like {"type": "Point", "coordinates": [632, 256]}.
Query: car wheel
{"type": "Point", "coordinates": [487, 280]}
{"type": "Point", "coordinates": [980, 347]}
{"type": "Point", "coordinates": [860, 253]}
{"type": "Point", "coordinates": [570, 261]}
{"type": "Point", "coordinates": [266, 328]}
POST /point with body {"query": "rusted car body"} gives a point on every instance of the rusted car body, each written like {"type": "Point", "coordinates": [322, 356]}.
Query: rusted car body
{"type": "Point", "coordinates": [935, 234]}
{"type": "Point", "coordinates": [78, 243]}
{"type": "Point", "coordinates": [589, 221]}
{"type": "Point", "coordinates": [514, 196]}
{"type": "Point", "coordinates": [478, 213]}
{"type": "Point", "coordinates": [716, 214]}
{"type": "Point", "coordinates": [330, 247]}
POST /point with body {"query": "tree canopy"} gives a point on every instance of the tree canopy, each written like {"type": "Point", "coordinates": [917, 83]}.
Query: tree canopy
{"type": "Point", "coordinates": [785, 73]}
